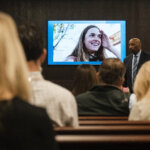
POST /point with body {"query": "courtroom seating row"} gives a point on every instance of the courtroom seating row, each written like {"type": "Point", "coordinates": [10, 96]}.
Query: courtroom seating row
{"type": "Point", "coordinates": [103, 130]}
{"type": "Point", "coordinates": [103, 142]}
{"type": "Point", "coordinates": [106, 133]}
{"type": "Point", "coordinates": [103, 118]}
{"type": "Point", "coordinates": [112, 122]}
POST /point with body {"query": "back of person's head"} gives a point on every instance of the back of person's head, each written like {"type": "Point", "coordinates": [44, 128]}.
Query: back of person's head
{"type": "Point", "coordinates": [142, 81]}
{"type": "Point", "coordinates": [31, 41]}
{"type": "Point", "coordinates": [84, 79]}
{"type": "Point", "coordinates": [112, 71]}
{"type": "Point", "coordinates": [13, 67]}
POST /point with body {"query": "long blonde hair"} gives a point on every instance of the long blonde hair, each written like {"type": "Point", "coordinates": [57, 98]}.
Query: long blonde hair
{"type": "Point", "coordinates": [13, 67]}
{"type": "Point", "coordinates": [142, 81]}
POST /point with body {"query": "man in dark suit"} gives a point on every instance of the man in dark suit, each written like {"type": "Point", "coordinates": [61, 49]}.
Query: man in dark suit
{"type": "Point", "coordinates": [134, 61]}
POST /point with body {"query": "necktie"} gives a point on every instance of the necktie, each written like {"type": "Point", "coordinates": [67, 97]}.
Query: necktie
{"type": "Point", "coordinates": [134, 68]}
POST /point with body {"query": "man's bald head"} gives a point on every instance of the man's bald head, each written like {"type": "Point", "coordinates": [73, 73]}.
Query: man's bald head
{"type": "Point", "coordinates": [135, 45]}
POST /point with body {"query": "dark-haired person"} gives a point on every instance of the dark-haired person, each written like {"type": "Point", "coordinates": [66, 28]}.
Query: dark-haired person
{"type": "Point", "coordinates": [84, 79]}
{"type": "Point", "coordinates": [90, 46]}
{"type": "Point", "coordinates": [58, 101]}
{"type": "Point", "coordinates": [134, 61]}
{"type": "Point", "coordinates": [22, 126]}
{"type": "Point", "coordinates": [107, 98]}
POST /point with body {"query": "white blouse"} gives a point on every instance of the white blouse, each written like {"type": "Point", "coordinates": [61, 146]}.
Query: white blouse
{"type": "Point", "coordinates": [141, 110]}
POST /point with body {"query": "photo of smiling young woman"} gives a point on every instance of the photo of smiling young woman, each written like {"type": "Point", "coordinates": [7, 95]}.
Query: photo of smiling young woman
{"type": "Point", "coordinates": [90, 46]}
{"type": "Point", "coordinates": [92, 40]}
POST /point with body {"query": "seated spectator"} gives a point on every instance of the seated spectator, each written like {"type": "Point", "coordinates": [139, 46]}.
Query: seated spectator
{"type": "Point", "coordinates": [107, 98]}
{"type": "Point", "coordinates": [22, 126]}
{"type": "Point", "coordinates": [141, 110]}
{"type": "Point", "coordinates": [85, 78]}
{"type": "Point", "coordinates": [58, 101]}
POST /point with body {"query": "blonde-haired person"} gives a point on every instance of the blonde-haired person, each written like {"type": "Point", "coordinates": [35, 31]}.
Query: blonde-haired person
{"type": "Point", "coordinates": [13, 69]}
{"type": "Point", "coordinates": [85, 78]}
{"type": "Point", "coordinates": [141, 110]}
{"type": "Point", "coordinates": [22, 126]}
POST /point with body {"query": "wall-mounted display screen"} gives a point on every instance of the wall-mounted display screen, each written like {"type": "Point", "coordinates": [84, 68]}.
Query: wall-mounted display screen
{"type": "Point", "coordinates": [80, 42]}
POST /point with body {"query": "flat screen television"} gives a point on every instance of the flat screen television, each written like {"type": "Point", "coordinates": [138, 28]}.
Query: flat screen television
{"type": "Point", "coordinates": [63, 38]}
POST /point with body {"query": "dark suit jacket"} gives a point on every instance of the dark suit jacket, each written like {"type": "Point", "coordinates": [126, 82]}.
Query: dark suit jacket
{"type": "Point", "coordinates": [24, 127]}
{"type": "Point", "coordinates": [128, 63]}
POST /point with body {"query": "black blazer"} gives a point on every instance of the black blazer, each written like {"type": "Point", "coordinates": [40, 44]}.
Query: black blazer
{"type": "Point", "coordinates": [25, 127]}
{"type": "Point", "coordinates": [128, 63]}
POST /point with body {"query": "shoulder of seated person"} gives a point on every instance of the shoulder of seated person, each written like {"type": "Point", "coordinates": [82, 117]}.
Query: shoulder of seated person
{"type": "Point", "coordinates": [25, 106]}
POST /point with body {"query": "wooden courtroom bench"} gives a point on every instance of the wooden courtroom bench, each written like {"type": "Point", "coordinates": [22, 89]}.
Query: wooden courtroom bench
{"type": "Point", "coordinates": [112, 122]}
{"type": "Point", "coordinates": [99, 130]}
{"type": "Point", "coordinates": [103, 118]}
{"type": "Point", "coordinates": [103, 142]}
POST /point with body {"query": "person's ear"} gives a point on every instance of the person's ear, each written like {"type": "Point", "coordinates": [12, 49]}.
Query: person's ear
{"type": "Point", "coordinates": [43, 56]}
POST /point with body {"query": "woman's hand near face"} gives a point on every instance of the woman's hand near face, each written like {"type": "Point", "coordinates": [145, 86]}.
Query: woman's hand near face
{"type": "Point", "coordinates": [106, 44]}
{"type": "Point", "coordinates": [105, 40]}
